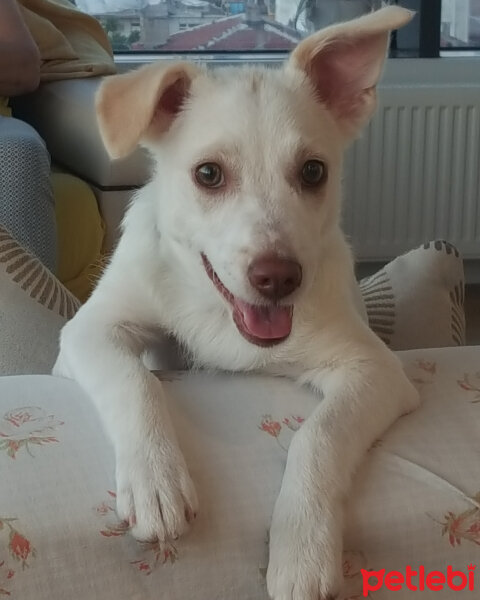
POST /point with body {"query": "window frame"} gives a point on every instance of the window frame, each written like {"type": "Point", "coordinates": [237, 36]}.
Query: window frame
{"type": "Point", "coordinates": [426, 30]}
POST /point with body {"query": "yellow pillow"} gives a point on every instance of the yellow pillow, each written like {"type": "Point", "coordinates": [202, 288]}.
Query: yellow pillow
{"type": "Point", "coordinates": [4, 110]}
{"type": "Point", "coordinates": [81, 232]}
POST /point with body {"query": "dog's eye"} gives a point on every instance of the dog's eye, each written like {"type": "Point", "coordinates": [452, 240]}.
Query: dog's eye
{"type": "Point", "coordinates": [313, 172]}
{"type": "Point", "coordinates": [209, 175]}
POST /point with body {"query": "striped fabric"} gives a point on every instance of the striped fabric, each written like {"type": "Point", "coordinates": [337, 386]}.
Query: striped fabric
{"type": "Point", "coordinates": [457, 297]}
{"type": "Point", "coordinates": [417, 300]}
{"type": "Point", "coordinates": [35, 279]}
{"type": "Point", "coordinates": [379, 302]}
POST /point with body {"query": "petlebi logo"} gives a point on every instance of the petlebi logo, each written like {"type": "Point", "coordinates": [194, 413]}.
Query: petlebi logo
{"type": "Point", "coordinates": [418, 580]}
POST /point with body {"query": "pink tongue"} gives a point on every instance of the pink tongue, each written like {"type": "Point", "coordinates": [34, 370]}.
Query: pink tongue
{"type": "Point", "coordinates": [266, 322]}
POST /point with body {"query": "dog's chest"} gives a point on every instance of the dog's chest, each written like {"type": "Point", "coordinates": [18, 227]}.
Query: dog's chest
{"type": "Point", "coordinates": [207, 331]}
{"type": "Point", "coordinates": [213, 341]}
{"type": "Point", "coordinates": [203, 324]}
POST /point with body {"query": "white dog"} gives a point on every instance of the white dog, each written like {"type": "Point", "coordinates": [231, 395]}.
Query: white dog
{"type": "Point", "coordinates": [235, 248]}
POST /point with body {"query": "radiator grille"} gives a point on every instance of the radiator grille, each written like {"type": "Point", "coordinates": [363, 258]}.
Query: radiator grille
{"type": "Point", "coordinates": [415, 173]}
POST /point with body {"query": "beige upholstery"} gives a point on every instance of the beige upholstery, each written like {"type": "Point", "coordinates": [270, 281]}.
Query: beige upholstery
{"type": "Point", "coordinates": [415, 500]}
{"type": "Point", "coordinates": [63, 113]}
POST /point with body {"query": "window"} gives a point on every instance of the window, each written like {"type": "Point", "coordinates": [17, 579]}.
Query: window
{"type": "Point", "coordinates": [269, 26]}
{"type": "Point", "coordinates": [460, 26]}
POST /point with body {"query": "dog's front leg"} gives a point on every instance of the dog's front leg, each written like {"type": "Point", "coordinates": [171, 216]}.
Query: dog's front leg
{"type": "Point", "coordinates": [101, 350]}
{"type": "Point", "coordinates": [363, 396]}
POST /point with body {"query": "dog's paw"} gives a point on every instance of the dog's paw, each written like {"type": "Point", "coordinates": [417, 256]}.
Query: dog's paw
{"type": "Point", "coordinates": [305, 553]}
{"type": "Point", "coordinates": [155, 493]}
{"type": "Point", "coordinates": [411, 399]}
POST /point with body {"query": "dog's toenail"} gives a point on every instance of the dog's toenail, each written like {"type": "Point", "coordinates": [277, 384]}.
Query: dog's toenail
{"type": "Point", "coordinates": [189, 515]}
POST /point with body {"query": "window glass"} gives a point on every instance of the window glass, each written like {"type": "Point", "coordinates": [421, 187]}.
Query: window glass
{"type": "Point", "coordinates": [217, 25]}
{"type": "Point", "coordinates": [460, 26]}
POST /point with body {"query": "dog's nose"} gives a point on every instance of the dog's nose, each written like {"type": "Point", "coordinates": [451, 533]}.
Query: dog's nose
{"type": "Point", "coordinates": [275, 277]}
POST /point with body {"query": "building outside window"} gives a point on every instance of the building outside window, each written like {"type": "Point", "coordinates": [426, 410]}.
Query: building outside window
{"type": "Point", "coordinates": [460, 26]}
{"type": "Point", "coordinates": [182, 26]}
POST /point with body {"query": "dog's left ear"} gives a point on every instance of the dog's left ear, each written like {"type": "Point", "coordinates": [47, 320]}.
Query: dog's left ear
{"type": "Point", "coordinates": [141, 104]}
{"type": "Point", "coordinates": [344, 63]}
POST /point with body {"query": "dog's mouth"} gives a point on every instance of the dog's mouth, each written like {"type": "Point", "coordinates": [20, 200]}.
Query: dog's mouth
{"type": "Point", "coordinates": [263, 325]}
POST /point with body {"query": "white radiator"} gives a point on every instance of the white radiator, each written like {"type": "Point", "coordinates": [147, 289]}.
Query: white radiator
{"type": "Point", "coordinates": [414, 176]}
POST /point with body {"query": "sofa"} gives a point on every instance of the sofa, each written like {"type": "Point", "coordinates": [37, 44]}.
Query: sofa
{"type": "Point", "coordinates": [63, 112]}
{"type": "Point", "coordinates": [414, 506]}
{"type": "Point", "coordinates": [415, 501]}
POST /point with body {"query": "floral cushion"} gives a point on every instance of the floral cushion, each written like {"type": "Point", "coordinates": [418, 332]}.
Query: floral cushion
{"type": "Point", "coordinates": [417, 300]}
{"type": "Point", "coordinates": [415, 501]}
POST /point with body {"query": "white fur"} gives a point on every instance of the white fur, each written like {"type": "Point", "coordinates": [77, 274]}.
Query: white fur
{"type": "Point", "coordinates": [156, 282]}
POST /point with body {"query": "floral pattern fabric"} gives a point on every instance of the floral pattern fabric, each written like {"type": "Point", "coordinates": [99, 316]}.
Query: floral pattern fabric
{"type": "Point", "coordinates": [150, 554]}
{"type": "Point", "coordinates": [17, 550]}
{"type": "Point", "coordinates": [24, 427]}
{"type": "Point", "coordinates": [415, 500]}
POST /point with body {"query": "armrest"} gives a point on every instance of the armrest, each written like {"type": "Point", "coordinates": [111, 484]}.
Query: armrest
{"type": "Point", "coordinates": [63, 112]}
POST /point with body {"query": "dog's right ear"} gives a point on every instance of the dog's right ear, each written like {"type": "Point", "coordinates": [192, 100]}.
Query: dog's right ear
{"type": "Point", "coordinates": [141, 104]}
